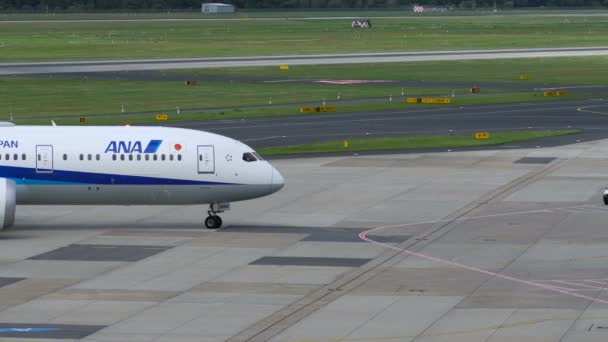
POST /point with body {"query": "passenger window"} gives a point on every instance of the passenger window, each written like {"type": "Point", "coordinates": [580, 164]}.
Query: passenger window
{"type": "Point", "coordinates": [8, 157]}
{"type": "Point", "coordinates": [39, 157]}
{"type": "Point", "coordinates": [113, 157]}
{"type": "Point", "coordinates": [130, 157]}
{"type": "Point", "coordinates": [90, 157]}
{"type": "Point", "coordinates": [170, 157]}
{"type": "Point", "coordinates": [81, 157]}
{"type": "Point", "coordinates": [122, 157]}
{"type": "Point", "coordinates": [23, 156]}
{"type": "Point", "coordinates": [179, 157]}
{"type": "Point", "coordinates": [65, 156]}
{"type": "Point", "coordinates": [162, 157]}
{"type": "Point", "coordinates": [15, 156]}
{"type": "Point", "coordinates": [139, 157]}
{"type": "Point", "coordinates": [147, 157]}
{"type": "Point", "coordinates": [249, 157]}
{"type": "Point", "coordinates": [200, 157]}
{"type": "Point", "coordinates": [155, 157]}
{"type": "Point", "coordinates": [97, 157]}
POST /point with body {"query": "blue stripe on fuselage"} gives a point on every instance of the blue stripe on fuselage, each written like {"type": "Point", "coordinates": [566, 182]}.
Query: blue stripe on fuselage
{"type": "Point", "coordinates": [24, 175]}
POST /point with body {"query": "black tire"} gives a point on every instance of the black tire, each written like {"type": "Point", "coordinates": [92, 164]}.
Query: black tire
{"type": "Point", "coordinates": [218, 222]}
{"type": "Point", "coordinates": [606, 199]}
{"type": "Point", "coordinates": [211, 222]}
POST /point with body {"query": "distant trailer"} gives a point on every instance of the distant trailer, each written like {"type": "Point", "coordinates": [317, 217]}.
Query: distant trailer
{"type": "Point", "coordinates": [361, 23]}
{"type": "Point", "coordinates": [213, 7]}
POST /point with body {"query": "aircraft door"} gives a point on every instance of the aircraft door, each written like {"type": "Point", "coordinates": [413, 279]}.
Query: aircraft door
{"type": "Point", "coordinates": [44, 159]}
{"type": "Point", "coordinates": [206, 159]}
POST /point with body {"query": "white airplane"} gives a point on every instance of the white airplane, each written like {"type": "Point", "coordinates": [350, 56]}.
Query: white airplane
{"type": "Point", "coordinates": [124, 165]}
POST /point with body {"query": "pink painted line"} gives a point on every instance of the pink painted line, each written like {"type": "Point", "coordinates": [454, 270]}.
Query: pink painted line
{"type": "Point", "coordinates": [364, 237]}
{"type": "Point", "coordinates": [589, 280]}
{"type": "Point", "coordinates": [562, 288]}
{"type": "Point", "coordinates": [595, 282]}
{"type": "Point", "coordinates": [579, 284]}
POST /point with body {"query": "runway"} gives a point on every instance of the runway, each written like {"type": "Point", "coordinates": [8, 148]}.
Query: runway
{"type": "Point", "coordinates": [590, 116]}
{"type": "Point", "coordinates": [225, 62]}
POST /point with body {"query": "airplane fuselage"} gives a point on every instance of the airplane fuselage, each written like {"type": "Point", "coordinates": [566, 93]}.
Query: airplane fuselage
{"type": "Point", "coordinates": [130, 165]}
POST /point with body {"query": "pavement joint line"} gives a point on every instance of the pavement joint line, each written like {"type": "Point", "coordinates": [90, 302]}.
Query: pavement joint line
{"type": "Point", "coordinates": [33, 294]}
{"type": "Point", "coordinates": [371, 318]}
{"type": "Point", "coordinates": [175, 294]}
{"type": "Point", "coordinates": [477, 206]}
{"type": "Point", "coordinates": [452, 332]}
{"type": "Point", "coordinates": [293, 313]}
{"type": "Point", "coordinates": [582, 312]}
{"type": "Point", "coordinates": [493, 275]}
{"type": "Point", "coordinates": [108, 271]}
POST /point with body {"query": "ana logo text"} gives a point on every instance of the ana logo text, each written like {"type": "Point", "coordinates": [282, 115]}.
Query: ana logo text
{"type": "Point", "coordinates": [133, 147]}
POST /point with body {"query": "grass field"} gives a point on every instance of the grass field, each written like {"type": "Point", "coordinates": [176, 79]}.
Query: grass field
{"type": "Point", "coordinates": [562, 71]}
{"type": "Point", "coordinates": [43, 41]}
{"type": "Point", "coordinates": [46, 97]}
{"type": "Point", "coordinates": [65, 99]}
{"type": "Point", "coordinates": [416, 142]}
{"type": "Point", "coordinates": [58, 97]}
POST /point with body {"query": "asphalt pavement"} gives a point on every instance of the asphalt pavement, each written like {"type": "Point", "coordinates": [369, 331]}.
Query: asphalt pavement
{"type": "Point", "coordinates": [589, 116]}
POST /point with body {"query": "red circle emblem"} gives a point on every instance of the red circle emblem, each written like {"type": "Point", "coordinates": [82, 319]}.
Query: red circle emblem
{"type": "Point", "coordinates": [178, 147]}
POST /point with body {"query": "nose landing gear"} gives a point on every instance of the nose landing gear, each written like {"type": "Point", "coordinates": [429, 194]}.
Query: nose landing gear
{"type": "Point", "coordinates": [213, 221]}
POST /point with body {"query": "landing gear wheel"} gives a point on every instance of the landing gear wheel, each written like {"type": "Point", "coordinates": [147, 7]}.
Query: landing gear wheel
{"type": "Point", "coordinates": [213, 222]}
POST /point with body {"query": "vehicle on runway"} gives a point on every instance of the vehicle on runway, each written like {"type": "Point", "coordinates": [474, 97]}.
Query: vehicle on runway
{"type": "Point", "coordinates": [121, 165]}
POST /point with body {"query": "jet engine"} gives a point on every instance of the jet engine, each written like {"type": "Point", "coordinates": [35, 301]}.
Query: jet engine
{"type": "Point", "coordinates": [8, 201]}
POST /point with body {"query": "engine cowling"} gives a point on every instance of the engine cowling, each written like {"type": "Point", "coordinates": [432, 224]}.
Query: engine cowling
{"type": "Point", "coordinates": [8, 201]}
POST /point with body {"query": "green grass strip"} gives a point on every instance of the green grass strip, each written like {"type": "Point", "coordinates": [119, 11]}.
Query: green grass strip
{"type": "Point", "coordinates": [553, 71]}
{"type": "Point", "coordinates": [414, 142]}
{"type": "Point", "coordinates": [57, 41]}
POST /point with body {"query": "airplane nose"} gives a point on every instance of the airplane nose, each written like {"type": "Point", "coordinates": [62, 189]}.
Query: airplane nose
{"type": "Point", "coordinates": [277, 182]}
